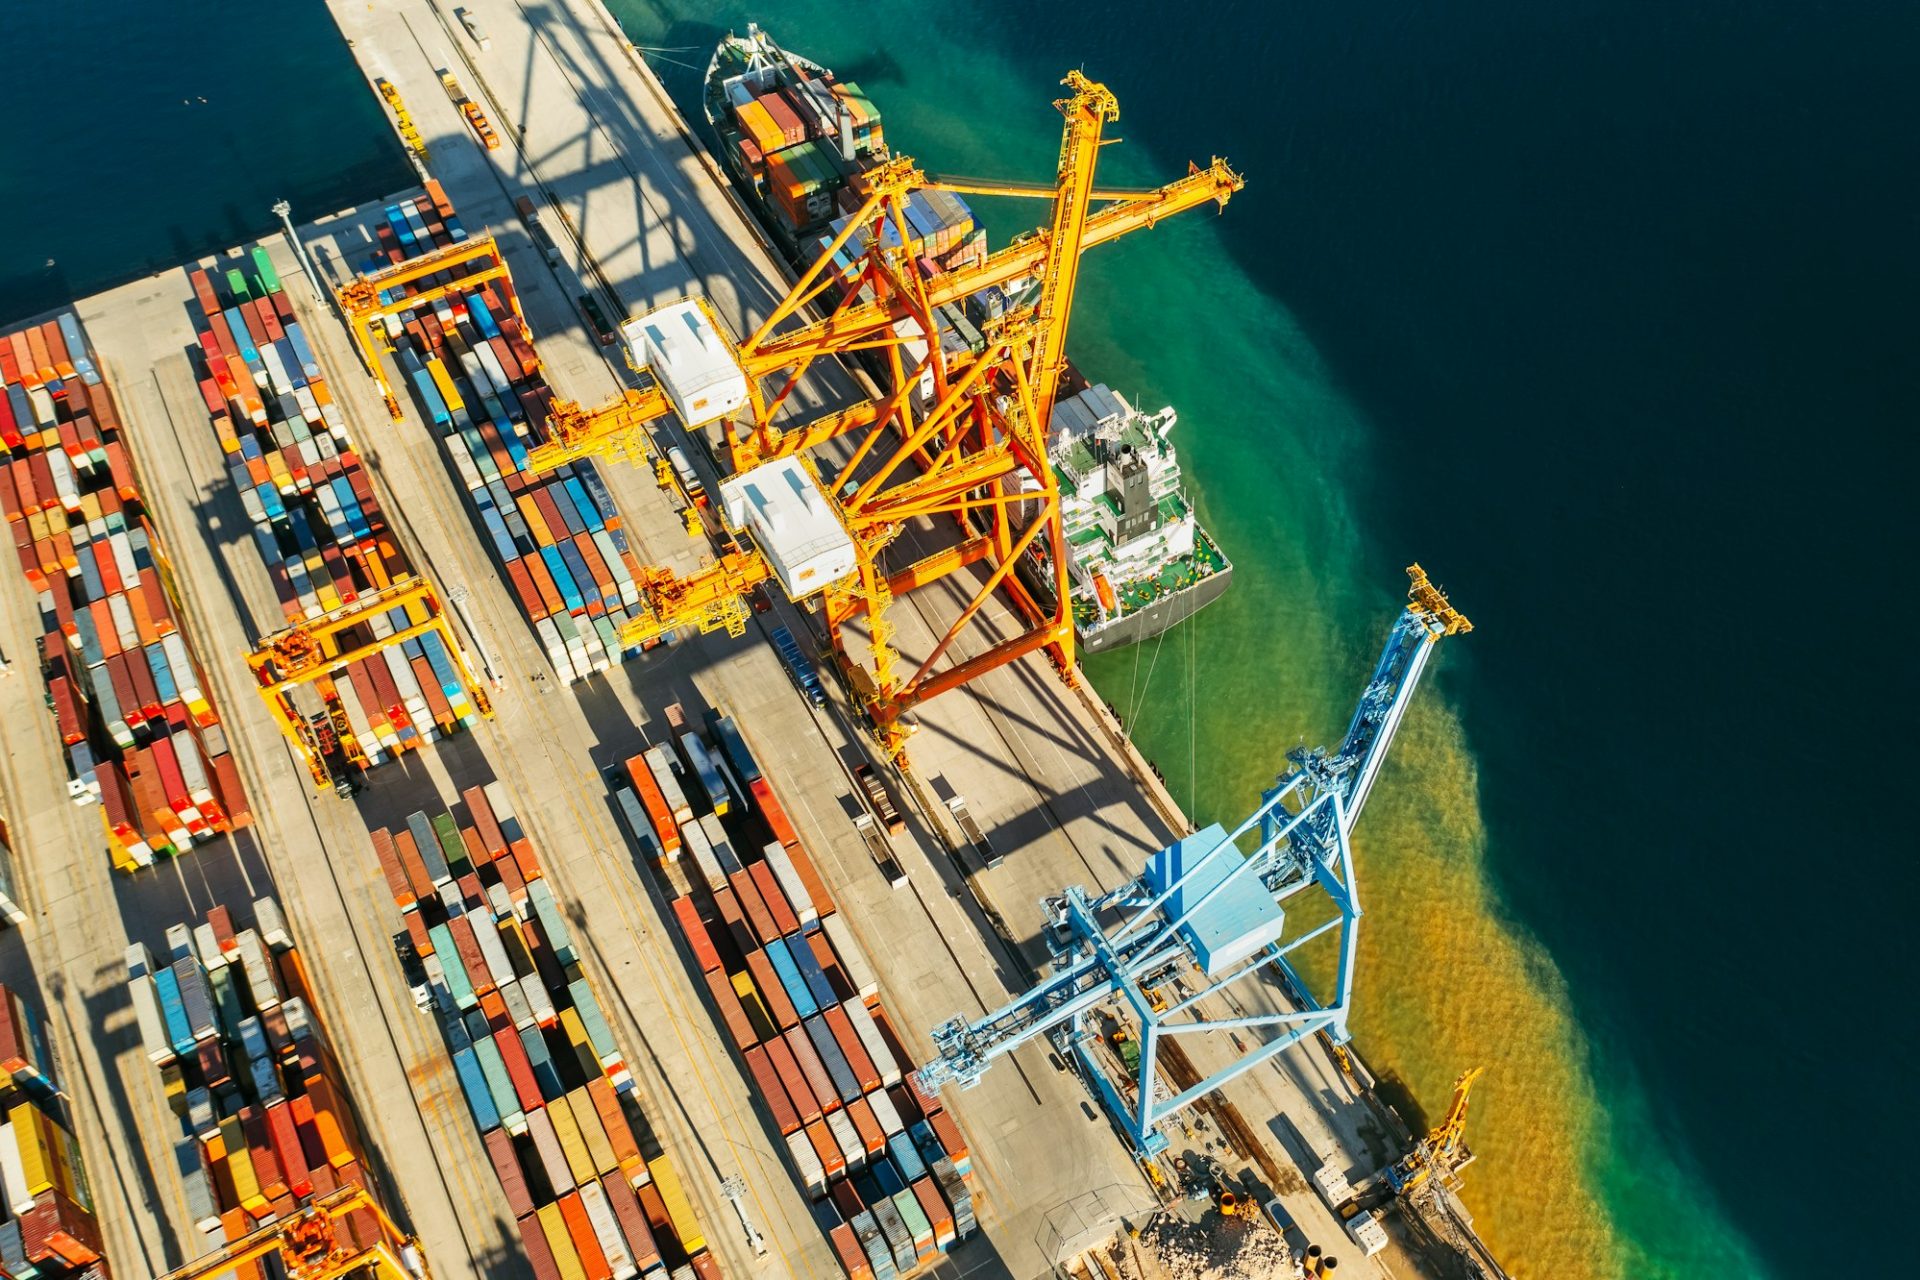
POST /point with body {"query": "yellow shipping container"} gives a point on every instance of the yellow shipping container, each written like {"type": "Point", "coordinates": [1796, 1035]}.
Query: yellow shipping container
{"type": "Point", "coordinates": [29, 1135]}
{"type": "Point", "coordinates": [587, 1116]}
{"type": "Point", "coordinates": [444, 382]}
{"type": "Point", "coordinates": [560, 1240]}
{"type": "Point", "coordinates": [758, 123]}
{"type": "Point", "coordinates": [576, 1032]}
{"type": "Point", "coordinates": [679, 1208]}
{"type": "Point", "coordinates": [579, 1163]}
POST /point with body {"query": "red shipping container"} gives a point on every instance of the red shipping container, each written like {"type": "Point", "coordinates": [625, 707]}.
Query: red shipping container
{"type": "Point", "coordinates": [949, 1134]}
{"type": "Point", "coordinates": [855, 1053]}
{"type": "Point", "coordinates": [847, 1247]}
{"type": "Point", "coordinates": [389, 859]}
{"type": "Point", "coordinates": [935, 1207]}
{"type": "Point", "coordinates": [519, 1068]}
{"type": "Point", "coordinates": [805, 1105]}
{"type": "Point", "coordinates": [785, 1118]}
{"type": "Point", "coordinates": [757, 914]}
{"type": "Point", "coordinates": [772, 994]}
{"type": "Point", "coordinates": [810, 878]}
{"type": "Point", "coordinates": [286, 1147]}
{"type": "Point", "coordinates": [534, 1238]}
{"type": "Point", "coordinates": [633, 1222]}
{"type": "Point", "coordinates": [506, 1166]}
{"type": "Point", "coordinates": [812, 1068]}
{"type": "Point", "coordinates": [471, 958]}
{"type": "Point", "coordinates": [735, 921]}
{"type": "Point", "coordinates": [606, 1103]}
{"type": "Point", "coordinates": [592, 1259]}
{"type": "Point", "coordinates": [484, 824]}
{"type": "Point", "coordinates": [826, 1148]}
{"type": "Point", "coordinates": [732, 1016]}
{"type": "Point", "coordinates": [695, 932]}
{"type": "Point", "coordinates": [784, 921]}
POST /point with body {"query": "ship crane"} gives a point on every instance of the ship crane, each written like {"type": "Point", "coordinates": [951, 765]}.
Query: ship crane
{"type": "Point", "coordinates": [975, 450]}
{"type": "Point", "coordinates": [1216, 907]}
{"type": "Point", "coordinates": [1441, 1150]}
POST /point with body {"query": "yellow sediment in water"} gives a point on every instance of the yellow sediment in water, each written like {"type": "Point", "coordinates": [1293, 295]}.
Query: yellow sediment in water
{"type": "Point", "coordinates": [1444, 985]}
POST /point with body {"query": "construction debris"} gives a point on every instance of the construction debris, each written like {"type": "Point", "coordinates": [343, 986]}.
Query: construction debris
{"type": "Point", "coordinates": [1215, 1248]}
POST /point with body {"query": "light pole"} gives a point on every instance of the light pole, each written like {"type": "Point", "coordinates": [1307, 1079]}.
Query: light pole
{"type": "Point", "coordinates": [285, 211]}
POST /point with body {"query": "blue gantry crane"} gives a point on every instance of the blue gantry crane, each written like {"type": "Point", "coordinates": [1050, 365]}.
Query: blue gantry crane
{"type": "Point", "coordinates": [1216, 902]}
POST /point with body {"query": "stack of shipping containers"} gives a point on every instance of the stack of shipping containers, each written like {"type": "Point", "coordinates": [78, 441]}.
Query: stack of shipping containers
{"type": "Point", "coordinates": [542, 1074]}
{"type": "Point", "coordinates": [316, 521]}
{"type": "Point", "coordinates": [884, 1165]}
{"type": "Point", "coordinates": [228, 1017]}
{"type": "Point", "coordinates": [46, 1223]}
{"type": "Point", "coordinates": [477, 380]}
{"type": "Point", "coordinates": [141, 734]}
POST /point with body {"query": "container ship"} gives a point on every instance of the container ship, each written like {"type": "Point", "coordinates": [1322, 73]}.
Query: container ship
{"type": "Point", "coordinates": [791, 137]}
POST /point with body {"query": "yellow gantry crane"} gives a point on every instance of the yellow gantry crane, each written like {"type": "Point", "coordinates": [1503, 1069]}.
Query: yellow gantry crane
{"type": "Point", "coordinates": [978, 448]}
{"type": "Point", "coordinates": [315, 1244]}
{"type": "Point", "coordinates": [316, 649]}
{"type": "Point", "coordinates": [1442, 1149]}
{"type": "Point", "coordinates": [465, 265]}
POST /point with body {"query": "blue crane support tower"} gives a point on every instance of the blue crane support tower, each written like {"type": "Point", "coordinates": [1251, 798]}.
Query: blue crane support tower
{"type": "Point", "coordinates": [1211, 903]}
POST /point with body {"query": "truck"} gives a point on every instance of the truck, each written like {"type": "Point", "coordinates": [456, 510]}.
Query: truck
{"type": "Point", "coordinates": [878, 799]}
{"type": "Point", "coordinates": [970, 830]}
{"type": "Point", "coordinates": [799, 669]}
{"type": "Point", "coordinates": [881, 851]}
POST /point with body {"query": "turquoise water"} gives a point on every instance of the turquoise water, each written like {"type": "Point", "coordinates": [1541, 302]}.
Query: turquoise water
{"type": "Point", "coordinates": [1600, 312]}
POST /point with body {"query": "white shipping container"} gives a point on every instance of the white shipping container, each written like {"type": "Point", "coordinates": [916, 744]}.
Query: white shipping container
{"type": "Point", "coordinates": [694, 837]}
{"type": "Point", "coordinates": [852, 1150]}
{"type": "Point", "coordinates": [852, 959]}
{"type": "Point", "coordinates": [872, 1041]}
{"type": "Point", "coordinates": [790, 882]}
{"type": "Point", "coordinates": [272, 925]}
{"type": "Point", "coordinates": [813, 1175]}
{"type": "Point", "coordinates": [667, 778]}
{"type": "Point", "coordinates": [12, 1174]}
{"type": "Point", "coordinates": [499, 968]}
{"type": "Point", "coordinates": [146, 1012]}
{"type": "Point", "coordinates": [885, 1112]}
{"type": "Point", "coordinates": [607, 1230]}
{"type": "Point", "coordinates": [723, 853]}
{"type": "Point", "coordinates": [503, 814]}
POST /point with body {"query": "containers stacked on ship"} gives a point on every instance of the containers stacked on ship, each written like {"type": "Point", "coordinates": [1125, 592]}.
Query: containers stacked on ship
{"type": "Point", "coordinates": [789, 133]}
{"type": "Point", "coordinates": [47, 1226]}
{"type": "Point", "coordinates": [883, 1164]}
{"type": "Point", "coordinates": [543, 1077]}
{"type": "Point", "coordinates": [227, 1015]}
{"type": "Point", "coordinates": [476, 378]}
{"type": "Point", "coordinates": [135, 716]}
{"type": "Point", "coordinates": [316, 520]}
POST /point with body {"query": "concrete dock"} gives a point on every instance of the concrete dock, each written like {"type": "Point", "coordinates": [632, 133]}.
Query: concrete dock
{"type": "Point", "coordinates": [590, 136]}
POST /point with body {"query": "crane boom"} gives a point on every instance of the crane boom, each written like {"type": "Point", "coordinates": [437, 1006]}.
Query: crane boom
{"type": "Point", "coordinates": [1217, 183]}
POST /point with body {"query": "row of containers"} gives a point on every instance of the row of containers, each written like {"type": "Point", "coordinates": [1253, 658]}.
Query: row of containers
{"type": "Point", "coordinates": [883, 1164]}
{"type": "Point", "coordinates": [475, 377]}
{"type": "Point", "coordinates": [266, 1127]}
{"type": "Point", "coordinates": [317, 523]}
{"type": "Point", "coordinates": [47, 1226]}
{"type": "Point", "coordinates": [137, 722]}
{"type": "Point", "coordinates": [544, 1078]}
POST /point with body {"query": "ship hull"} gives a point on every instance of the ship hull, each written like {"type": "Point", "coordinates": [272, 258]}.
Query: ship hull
{"type": "Point", "coordinates": [1168, 611]}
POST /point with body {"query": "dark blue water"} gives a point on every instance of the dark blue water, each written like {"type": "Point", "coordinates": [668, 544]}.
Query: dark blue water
{"type": "Point", "coordinates": [1602, 310]}
{"type": "Point", "coordinates": [140, 135]}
